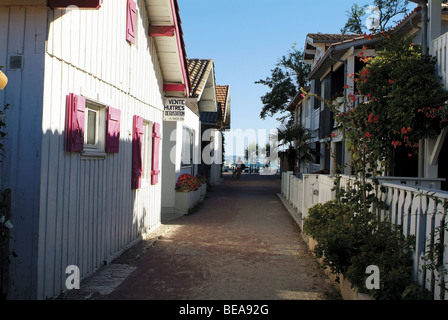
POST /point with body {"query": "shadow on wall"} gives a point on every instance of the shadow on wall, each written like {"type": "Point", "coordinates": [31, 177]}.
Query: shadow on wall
{"type": "Point", "coordinates": [79, 211]}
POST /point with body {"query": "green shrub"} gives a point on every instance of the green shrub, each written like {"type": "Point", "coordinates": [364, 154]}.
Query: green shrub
{"type": "Point", "coordinates": [348, 242]}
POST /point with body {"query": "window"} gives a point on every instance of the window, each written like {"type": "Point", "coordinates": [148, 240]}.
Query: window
{"type": "Point", "coordinates": [147, 150]}
{"type": "Point", "coordinates": [91, 127]}
{"type": "Point", "coordinates": [187, 147]}
{"type": "Point", "coordinates": [145, 153]}
{"type": "Point", "coordinates": [95, 127]}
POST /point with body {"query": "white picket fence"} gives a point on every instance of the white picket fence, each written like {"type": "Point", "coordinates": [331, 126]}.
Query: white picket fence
{"type": "Point", "coordinates": [414, 209]}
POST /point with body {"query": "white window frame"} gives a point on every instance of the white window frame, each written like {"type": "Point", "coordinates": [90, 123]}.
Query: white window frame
{"type": "Point", "coordinates": [99, 147]}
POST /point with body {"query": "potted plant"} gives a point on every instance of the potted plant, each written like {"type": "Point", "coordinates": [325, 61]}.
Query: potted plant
{"type": "Point", "coordinates": [187, 193]}
{"type": "Point", "coordinates": [203, 187]}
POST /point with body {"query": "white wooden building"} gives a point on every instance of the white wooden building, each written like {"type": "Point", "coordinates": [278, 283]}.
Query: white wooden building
{"type": "Point", "coordinates": [86, 92]}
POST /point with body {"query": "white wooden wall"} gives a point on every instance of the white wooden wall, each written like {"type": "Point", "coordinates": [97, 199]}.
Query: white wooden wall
{"type": "Point", "coordinates": [23, 33]}
{"type": "Point", "coordinates": [86, 209]}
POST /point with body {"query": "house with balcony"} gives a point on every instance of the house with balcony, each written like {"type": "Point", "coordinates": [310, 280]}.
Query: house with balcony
{"type": "Point", "coordinates": [333, 59]}
{"type": "Point", "coordinates": [413, 190]}
{"type": "Point", "coordinates": [87, 88]}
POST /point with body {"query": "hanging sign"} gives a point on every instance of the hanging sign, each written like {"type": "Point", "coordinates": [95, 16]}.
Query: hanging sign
{"type": "Point", "coordinates": [174, 109]}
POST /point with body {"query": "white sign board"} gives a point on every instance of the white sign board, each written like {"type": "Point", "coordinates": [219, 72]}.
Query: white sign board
{"type": "Point", "coordinates": [174, 109]}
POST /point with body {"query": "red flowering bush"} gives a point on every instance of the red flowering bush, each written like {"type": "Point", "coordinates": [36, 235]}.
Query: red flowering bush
{"type": "Point", "coordinates": [406, 101]}
{"type": "Point", "coordinates": [187, 182]}
{"type": "Point", "coordinates": [202, 178]}
{"type": "Point", "coordinates": [398, 101]}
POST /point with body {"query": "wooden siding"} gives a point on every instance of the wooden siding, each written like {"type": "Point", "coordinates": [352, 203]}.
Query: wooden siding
{"type": "Point", "coordinates": [87, 212]}
{"type": "Point", "coordinates": [23, 34]}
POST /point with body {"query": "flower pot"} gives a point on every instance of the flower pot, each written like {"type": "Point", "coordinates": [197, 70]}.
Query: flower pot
{"type": "Point", "coordinates": [203, 191]}
{"type": "Point", "coordinates": [186, 200]}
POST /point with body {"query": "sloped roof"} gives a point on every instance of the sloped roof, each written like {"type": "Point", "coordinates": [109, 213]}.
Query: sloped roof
{"type": "Point", "coordinates": [222, 92]}
{"type": "Point", "coordinates": [330, 37]}
{"type": "Point", "coordinates": [199, 70]}
{"type": "Point", "coordinates": [337, 48]}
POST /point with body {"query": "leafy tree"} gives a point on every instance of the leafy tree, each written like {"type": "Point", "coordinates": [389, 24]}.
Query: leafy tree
{"type": "Point", "coordinates": [289, 74]}
{"type": "Point", "coordinates": [381, 14]}
{"type": "Point", "coordinates": [298, 140]}
{"type": "Point", "coordinates": [354, 23]}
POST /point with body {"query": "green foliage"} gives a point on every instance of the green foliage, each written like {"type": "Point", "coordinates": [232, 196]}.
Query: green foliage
{"type": "Point", "coordinates": [398, 100]}
{"type": "Point", "coordinates": [354, 22]}
{"type": "Point", "coordinates": [406, 95]}
{"type": "Point", "coordinates": [348, 242]}
{"type": "Point", "coordinates": [2, 128]}
{"type": "Point", "coordinates": [298, 138]}
{"type": "Point", "coordinates": [289, 73]}
{"type": "Point", "coordinates": [386, 10]}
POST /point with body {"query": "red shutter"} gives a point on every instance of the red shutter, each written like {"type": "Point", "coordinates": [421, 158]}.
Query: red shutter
{"type": "Point", "coordinates": [113, 130]}
{"type": "Point", "coordinates": [137, 157]}
{"type": "Point", "coordinates": [130, 21]}
{"type": "Point", "coordinates": [156, 135]}
{"type": "Point", "coordinates": [75, 115]}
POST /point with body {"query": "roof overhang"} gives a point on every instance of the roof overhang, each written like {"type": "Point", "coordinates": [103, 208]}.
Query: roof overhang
{"type": "Point", "coordinates": [336, 52]}
{"type": "Point", "coordinates": [166, 30]}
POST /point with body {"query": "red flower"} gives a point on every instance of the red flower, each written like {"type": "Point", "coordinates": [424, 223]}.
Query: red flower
{"type": "Point", "coordinates": [391, 81]}
{"type": "Point", "coordinates": [370, 119]}
{"type": "Point", "coordinates": [332, 135]}
{"type": "Point", "coordinates": [376, 119]}
{"type": "Point", "coordinates": [396, 143]}
{"type": "Point", "coordinates": [367, 135]}
{"type": "Point", "coordinates": [353, 97]}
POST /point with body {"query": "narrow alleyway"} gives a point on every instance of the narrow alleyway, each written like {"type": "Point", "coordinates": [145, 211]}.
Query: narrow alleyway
{"type": "Point", "coordinates": [240, 244]}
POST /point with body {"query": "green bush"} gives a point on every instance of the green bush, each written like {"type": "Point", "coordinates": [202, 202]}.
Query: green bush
{"type": "Point", "coordinates": [348, 242]}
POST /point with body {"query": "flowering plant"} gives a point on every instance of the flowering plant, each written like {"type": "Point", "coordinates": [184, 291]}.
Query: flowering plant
{"type": "Point", "coordinates": [187, 182]}
{"type": "Point", "coordinates": [202, 178]}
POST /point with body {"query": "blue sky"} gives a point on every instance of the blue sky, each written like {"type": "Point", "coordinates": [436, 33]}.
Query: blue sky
{"type": "Point", "coordinates": [245, 38]}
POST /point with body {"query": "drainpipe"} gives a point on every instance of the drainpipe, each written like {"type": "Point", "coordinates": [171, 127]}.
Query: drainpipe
{"type": "Point", "coordinates": [424, 6]}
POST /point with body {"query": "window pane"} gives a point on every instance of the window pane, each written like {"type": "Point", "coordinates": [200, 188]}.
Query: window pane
{"type": "Point", "coordinates": [91, 127]}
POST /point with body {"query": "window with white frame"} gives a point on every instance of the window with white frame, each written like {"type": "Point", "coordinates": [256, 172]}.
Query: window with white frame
{"type": "Point", "coordinates": [187, 147]}
{"type": "Point", "coordinates": [95, 127]}
{"type": "Point", "coordinates": [147, 150]}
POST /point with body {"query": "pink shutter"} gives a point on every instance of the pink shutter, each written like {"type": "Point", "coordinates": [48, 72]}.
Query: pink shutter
{"type": "Point", "coordinates": [113, 130]}
{"type": "Point", "coordinates": [137, 157]}
{"type": "Point", "coordinates": [156, 135]}
{"type": "Point", "coordinates": [75, 116]}
{"type": "Point", "coordinates": [130, 21]}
